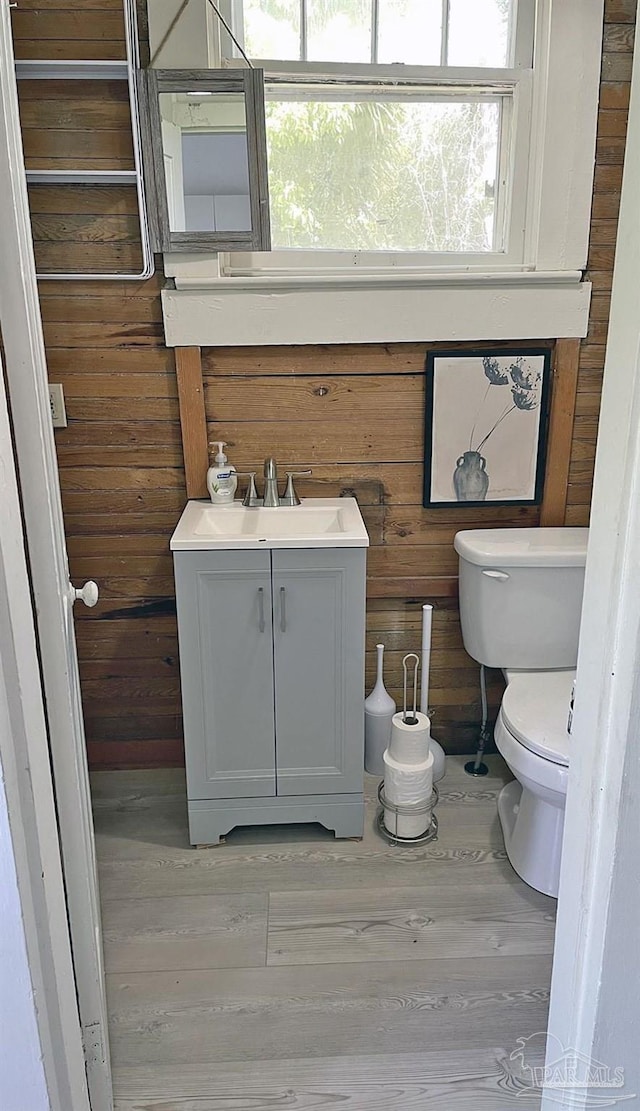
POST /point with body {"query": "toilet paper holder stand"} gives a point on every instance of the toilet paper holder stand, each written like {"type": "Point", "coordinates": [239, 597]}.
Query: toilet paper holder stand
{"type": "Point", "coordinates": [407, 810]}
{"type": "Point", "coordinates": [410, 719]}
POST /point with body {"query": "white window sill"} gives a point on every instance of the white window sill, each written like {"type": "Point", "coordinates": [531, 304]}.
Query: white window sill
{"type": "Point", "coordinates": [376, 308]}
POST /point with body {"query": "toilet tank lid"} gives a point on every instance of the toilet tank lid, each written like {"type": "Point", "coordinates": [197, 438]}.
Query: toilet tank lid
{"type": "Point", "coordinates": [523, 547]}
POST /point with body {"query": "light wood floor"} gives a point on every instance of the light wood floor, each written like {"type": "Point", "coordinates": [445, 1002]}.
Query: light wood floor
{"type": "Point", "coordinates": [285, 969]}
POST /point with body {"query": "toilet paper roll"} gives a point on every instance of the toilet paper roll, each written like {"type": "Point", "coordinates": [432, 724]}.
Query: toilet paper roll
{"type": "Point", "coordinates": [409, 744]}
{"type": "Point", "coordinates": [407, 786]}
{"type": "Point", "coordinates": [407, 825]}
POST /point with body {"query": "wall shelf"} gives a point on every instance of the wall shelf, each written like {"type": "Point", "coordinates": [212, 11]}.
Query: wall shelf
{"type": "Point", "coordinates": [55, 70]}
{"type": "Point", "coordinates": [81, 177]}
{"type": "Point", "coordinates": [34, 69]}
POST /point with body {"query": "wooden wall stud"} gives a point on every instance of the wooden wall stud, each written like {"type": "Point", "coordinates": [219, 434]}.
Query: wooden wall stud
{"type": "Point", "coordinates": [192, 420]}
{"type": "Point", "coordinates": [563, 404]}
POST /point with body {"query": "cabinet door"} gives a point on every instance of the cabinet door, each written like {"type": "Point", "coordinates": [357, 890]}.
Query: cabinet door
{"type": "Point", "coordinates": [319, 615]}
{"type": "Point", "coordinates": [226, 662]}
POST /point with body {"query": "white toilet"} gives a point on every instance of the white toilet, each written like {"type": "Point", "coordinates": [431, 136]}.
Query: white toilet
{"type": "Point", "coordinates": [520, 603]}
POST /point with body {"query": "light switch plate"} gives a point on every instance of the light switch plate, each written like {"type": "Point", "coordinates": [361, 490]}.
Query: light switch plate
{"type": "Point", "coordinates": [58, 411]}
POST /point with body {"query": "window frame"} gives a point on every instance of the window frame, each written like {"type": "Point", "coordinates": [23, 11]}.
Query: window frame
{"type": "Point", "coordinates": [513, 89]}
{"type": "Point", "coordinates": [547, 296]}
{"type": "Point", "coordinates": [520, 34]}
{"type": "Point", "coordinates": [513, 85]}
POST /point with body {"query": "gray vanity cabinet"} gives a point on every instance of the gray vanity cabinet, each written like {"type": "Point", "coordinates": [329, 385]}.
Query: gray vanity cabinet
{"type": "Point", "coordinates": [272, 667]}
{"type": "Point", "coordinates": [318, 644]}
{"type": "Point", "coordinates": [226, 669]}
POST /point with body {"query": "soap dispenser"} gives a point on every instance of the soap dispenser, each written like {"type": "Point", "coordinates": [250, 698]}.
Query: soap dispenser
{"type": "Point", "coordinates": [221, 478]}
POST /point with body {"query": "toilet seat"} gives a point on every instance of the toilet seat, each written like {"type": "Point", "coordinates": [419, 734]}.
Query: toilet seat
{"type": "Point", "coordinates": [535, 710]}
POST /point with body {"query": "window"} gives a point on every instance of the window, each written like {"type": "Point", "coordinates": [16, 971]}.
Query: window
{"type": "Point", "coordinates": [414, 32]}
{"type": "Point", "coordinates": [393, 128]}
{"type": "Point", "coordinates": [431, 168]}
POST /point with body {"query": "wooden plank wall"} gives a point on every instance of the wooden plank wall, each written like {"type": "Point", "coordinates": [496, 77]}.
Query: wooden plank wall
{"type": "Point", "coordinates": [355, 415]}
{"type": "Point", "coordinates": [121, 457]}
{"type": "Point", "coordinates": [619, 29]}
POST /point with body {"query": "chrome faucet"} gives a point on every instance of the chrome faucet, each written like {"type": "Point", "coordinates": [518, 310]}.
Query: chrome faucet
{"type": "Point", "coordinates": [271, 497]}
{"type": "Point", "coordinates": [290, 497]}
{"type": "Point", "coordinates": [250, 499]}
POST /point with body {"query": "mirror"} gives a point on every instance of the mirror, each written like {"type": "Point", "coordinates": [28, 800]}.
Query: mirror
{"type": "Point", "coordinates": [207, 143]}
{"type": "Point", "coordinates": [206, 161]}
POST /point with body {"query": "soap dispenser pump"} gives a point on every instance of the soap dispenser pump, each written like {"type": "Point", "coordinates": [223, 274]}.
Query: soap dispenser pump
{"type": "Point", "coordinates": [221, 478]}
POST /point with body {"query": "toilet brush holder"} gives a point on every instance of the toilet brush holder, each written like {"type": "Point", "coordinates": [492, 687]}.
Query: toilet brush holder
{"type": "Point", "coordinates": [379, 709]}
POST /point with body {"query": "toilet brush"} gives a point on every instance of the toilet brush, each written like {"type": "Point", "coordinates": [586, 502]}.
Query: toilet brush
{"type": "Point", "coordinates": [439, 765]}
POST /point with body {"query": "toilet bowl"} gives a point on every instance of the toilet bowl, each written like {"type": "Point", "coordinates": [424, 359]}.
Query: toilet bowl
{"type": "Point", "coordinates": [531, 735]}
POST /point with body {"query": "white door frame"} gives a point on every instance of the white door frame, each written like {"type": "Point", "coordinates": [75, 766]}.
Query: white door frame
{"type": "Point", "coordinates": [605, 723]}
{"type": "Point", "coordinates": [24, 756]}
{"type": "Point", "coordinates": [26, 374]}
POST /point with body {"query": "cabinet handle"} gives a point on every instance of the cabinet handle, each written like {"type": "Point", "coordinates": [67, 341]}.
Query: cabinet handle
{"type": "Point", "coordinates": [283, 611]}
{"type": "Point", "coordinates": [261, 608]}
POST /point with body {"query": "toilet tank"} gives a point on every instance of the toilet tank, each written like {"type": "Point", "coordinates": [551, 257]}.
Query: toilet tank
{"type": "Point", "coordinates": [521, 595]}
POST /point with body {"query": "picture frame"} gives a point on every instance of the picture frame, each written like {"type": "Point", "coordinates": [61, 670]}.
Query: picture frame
{"type": "Point", "coordinates": [486, 426]}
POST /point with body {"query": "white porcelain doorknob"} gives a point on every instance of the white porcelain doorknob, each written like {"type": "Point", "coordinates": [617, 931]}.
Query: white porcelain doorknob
{"type": "Point", "coordinates": [87, 593]}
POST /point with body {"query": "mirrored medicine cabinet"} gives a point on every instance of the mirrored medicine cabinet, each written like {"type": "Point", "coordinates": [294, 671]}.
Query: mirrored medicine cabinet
{"type": "Point", "coordinates": [206, 159]}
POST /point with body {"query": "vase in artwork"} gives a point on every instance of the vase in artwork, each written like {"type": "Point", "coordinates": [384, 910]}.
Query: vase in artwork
{"type": "Point", "coordinates": [470, 478]}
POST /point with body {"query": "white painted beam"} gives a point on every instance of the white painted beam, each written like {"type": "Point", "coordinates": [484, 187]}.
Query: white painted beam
{"type": "Point", "coordinates": [226, 316]}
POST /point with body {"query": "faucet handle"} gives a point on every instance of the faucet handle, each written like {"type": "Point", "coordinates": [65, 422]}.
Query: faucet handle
{"type": "Point", "coordinates": [290, 496]}
{"type": "Point", "coordinates": [251, 499]}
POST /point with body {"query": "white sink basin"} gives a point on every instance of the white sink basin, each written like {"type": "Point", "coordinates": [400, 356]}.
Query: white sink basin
{"type": "Point", "coordinates": [315, 523]}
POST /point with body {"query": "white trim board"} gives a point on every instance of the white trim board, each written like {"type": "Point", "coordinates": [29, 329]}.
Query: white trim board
{"type": "Point", "coordinates": [22, 1081]}
{"type": "Point", "coordinates": [489, 310]}
{"type": "Point", "coordinates": [26, 375]}
{"type": "Point", "coordinates": [24, 754]}
{"type": "Point", "coordinates": [22, 1077]}
{"type": "Point", "coordinates": [595, 1010]}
